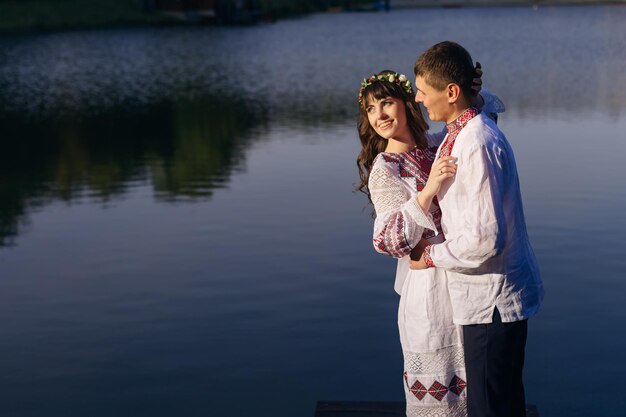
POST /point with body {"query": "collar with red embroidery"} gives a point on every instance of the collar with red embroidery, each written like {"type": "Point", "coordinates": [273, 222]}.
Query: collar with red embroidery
{"type": "Point", "coordinates": [460, 122]}
{"type": "Point", "coordinates": [454, 128]}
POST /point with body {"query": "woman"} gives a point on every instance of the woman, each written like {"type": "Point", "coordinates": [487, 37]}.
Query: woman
{"type": "Point", "coordinates": [401, 178]}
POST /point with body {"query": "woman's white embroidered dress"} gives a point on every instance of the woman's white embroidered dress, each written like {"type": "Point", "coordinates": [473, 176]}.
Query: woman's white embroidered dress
{"type": "Point", "coordinates": [434, 369]}
{"type": "Point", "coordinates": [432, 345]}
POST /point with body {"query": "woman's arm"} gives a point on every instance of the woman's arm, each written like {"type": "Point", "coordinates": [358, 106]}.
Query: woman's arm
{"type": "Point", "coordinates": [400, 221]}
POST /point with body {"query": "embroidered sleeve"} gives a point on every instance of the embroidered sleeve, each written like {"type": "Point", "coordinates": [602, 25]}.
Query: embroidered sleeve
{"type": "Point", "coordinates": [400, 221]}
{"type": "Point", "coordinates": [481, 230]}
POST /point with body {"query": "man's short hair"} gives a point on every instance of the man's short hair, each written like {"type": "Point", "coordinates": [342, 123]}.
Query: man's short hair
{"type": "Point", "coordinates": [444, 63]}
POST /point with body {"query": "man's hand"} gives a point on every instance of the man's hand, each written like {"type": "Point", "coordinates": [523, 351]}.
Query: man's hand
{"type": "Point", "coordinates": [417, 261]}
{"type": "Point", "coordinates": [421, 264]}
{"type": "Point", "coordinates": [417, 251]}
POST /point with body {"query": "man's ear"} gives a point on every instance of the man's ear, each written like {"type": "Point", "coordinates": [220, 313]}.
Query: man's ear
{"type": "Point", "coordinates": [453, 91]}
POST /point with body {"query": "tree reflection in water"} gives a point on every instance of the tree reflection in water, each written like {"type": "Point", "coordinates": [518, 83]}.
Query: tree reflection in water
{"type": "Point", "coordinates": [184, 148]}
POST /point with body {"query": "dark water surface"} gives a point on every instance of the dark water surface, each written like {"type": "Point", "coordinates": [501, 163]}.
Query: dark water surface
{"type": "Point", "coordinates": [178, 234]}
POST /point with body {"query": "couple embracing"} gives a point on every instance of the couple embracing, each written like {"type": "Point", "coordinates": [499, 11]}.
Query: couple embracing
{"type": "Point", "coordinates": [448, 206]}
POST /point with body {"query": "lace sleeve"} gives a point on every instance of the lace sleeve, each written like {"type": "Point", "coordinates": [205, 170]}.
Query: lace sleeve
{"type": "Point", "coordinates": [400, 221]}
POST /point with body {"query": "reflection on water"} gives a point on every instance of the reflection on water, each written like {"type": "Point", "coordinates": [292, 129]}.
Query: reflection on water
{"type": "Point", "coordinates": [185, 149]}
{"type": "Point", "coordinates": [95, 112]}
{"type": "Point", "coordinates": [208, 137]}
{"type": "Point", "coordinates": [192, 245]}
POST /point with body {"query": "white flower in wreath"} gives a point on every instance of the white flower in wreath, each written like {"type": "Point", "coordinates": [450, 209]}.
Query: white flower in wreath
{"type": "Point", "coordinates": [402, 78]}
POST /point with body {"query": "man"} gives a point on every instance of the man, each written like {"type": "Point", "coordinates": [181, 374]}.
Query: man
{"type": "Point", "coordinates": [493, 277]}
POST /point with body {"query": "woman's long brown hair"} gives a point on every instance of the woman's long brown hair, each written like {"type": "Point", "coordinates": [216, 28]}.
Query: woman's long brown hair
{"type": "Point", "coordinates": [371, 142]}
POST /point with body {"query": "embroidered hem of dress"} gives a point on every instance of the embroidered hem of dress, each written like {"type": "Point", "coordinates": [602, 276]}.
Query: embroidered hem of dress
{"type": "Point", "coordinates": [458, 409]}
{"type": "Point", "coordinates": [435, 382]}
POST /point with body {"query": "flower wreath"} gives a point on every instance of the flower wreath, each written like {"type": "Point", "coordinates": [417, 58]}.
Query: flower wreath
{"type": "Point", "coordinates": [392, 77]}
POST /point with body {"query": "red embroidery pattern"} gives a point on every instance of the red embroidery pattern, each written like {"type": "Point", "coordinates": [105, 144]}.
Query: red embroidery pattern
{"type": "Point", "coordinates": [419, 390]}
{"type": "Point", "coordinates": [454, 128]}
{"type": "Point", "coordinates": [457, 385]}
{"type": "Point", "coordinates": [380, 244]}
{"type": "Point", "coordinates": [426, 255]}
{"type": "Point", "coordinates": [414, 164]}
{"type": "Point", "coordinates": [391, 239]}
{"type": "Point", "coordinates": [437, 389]}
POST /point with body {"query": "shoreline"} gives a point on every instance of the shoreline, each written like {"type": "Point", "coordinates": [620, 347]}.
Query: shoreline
{"type": "Point", "coordinates": [459, 4]}
{"type": "Point", "coordinates": [21, 18]}
{"type": "Point", "coordinates": [415, 4]}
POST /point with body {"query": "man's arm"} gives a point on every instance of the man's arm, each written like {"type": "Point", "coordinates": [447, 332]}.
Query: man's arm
{"type": "Point", "coordinates": [480, 227]}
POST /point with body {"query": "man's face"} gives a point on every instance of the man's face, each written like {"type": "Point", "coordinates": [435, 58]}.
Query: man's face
{"type": "Point", "coordinates": [434, 101]}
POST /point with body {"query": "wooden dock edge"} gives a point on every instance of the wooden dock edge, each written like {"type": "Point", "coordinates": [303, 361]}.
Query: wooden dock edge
{"type": "Point", "coordinates": [375, 409]}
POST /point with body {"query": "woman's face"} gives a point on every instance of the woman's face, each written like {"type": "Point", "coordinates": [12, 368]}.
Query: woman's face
{"type": "Point", "coordinates": [387, 116]}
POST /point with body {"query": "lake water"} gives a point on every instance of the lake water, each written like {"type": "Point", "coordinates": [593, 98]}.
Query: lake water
{"type": "Point", "coordinates": [179, 235]}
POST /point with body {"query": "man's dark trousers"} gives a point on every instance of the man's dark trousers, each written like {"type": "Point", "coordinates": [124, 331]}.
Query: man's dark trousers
{"type": "Point", "coordinates": [494, 360]}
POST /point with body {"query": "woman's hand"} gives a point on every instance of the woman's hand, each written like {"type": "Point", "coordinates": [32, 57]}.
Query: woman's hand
{"type": "Point", "coordinates": [477, 83]}
{"type": "Point", "coordinates": [442, 169]}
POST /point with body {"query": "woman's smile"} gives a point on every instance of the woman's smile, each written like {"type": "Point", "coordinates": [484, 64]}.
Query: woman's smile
{"type": "Point", "coordinates": [385, 125]}
{"type": "Point", "coordinates": [387, 116]}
